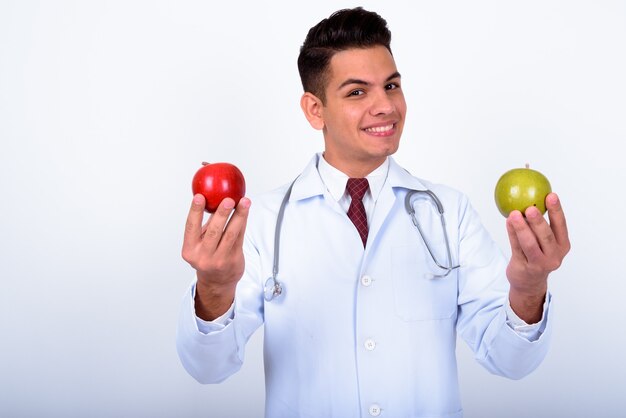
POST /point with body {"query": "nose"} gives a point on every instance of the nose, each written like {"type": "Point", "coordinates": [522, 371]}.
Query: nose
{"type": "Point", "coordinates": [382, 103]}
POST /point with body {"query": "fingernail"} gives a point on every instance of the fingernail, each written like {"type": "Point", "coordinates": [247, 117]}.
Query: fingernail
{"type": "Point", "coordinates": [245, 203]}
{"type": "Point", "coordinates": [532, 212]}
{"type": "Point", "coordinates": [197, 200]}
{"type": "Point", "coordinates": [229, 203]}
{"type": "Point", "coordinates": [553, 199]}
{"type": "Point", "coordinates": [515, 216]}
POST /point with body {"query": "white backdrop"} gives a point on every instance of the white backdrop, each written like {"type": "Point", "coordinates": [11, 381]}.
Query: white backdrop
{"type": "Point", "coordinates": [107, 109]}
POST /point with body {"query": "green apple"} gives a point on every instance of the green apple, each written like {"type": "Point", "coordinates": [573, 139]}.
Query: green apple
{"type": "Point", "coordinates": [520, 188]}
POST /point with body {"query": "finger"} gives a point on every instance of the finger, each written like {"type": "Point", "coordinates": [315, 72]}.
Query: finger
{"type": "Point", "coordinates": [193, 226]}
{"type": "Point", "coordinates": [216, 223]}
{"type": "Point", "coordinates": [516, 248]}
{"type": "Point", "coordinates": [542, 230]}
{"type": "Point", "coordinates": [557, 220]}
{"type": "Point", "coordinates": [525, 237]}
{"type": "Point", "coordinates": [235, 229]}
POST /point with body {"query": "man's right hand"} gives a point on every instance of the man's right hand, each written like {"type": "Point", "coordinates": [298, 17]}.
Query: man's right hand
{"type": "Point", "coordinates": [215, 251]}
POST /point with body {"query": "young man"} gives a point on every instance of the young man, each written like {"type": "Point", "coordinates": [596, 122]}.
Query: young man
{"type": "Point", "coordinates": [367, 320]}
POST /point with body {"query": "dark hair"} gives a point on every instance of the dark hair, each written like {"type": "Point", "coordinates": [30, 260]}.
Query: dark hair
{"type": "Point", "coordinates": [344, 29]}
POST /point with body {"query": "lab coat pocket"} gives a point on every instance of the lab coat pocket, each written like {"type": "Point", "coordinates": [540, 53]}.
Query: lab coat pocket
{"type": "Point", "coordinates": [418, 295]}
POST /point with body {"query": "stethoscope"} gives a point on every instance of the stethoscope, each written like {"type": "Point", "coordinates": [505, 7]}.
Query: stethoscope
{"type": "Point", "coordinates": [273, 288]}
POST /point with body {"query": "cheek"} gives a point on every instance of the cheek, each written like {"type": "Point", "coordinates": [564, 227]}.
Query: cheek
{"type": "Point", "coordinates": [346, 120]}
{"type": "Point", "coordinates": [401, 106]}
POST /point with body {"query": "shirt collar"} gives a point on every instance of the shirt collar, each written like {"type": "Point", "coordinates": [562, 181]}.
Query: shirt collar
{"type": "Point", "coordinates": [309, 183]}
{"type": "Point", "coordinates": [335, 180]}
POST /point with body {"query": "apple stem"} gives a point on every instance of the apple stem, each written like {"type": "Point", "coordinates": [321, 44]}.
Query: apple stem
{"type": "Point", "coordinates": [205, 163]}
{"type": "Point", "coordinates": [527, 165]}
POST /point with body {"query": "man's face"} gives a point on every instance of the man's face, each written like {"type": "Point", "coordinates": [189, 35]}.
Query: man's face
{"type": "Point", "coordinates": [364, 111]}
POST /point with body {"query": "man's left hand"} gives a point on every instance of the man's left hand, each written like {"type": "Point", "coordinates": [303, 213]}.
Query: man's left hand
{"type": "Point", "coordinates": [537, 249]}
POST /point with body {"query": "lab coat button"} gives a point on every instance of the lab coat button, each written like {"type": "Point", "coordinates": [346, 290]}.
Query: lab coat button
{"type": "Point", "coordinates": [366, 281]}
{"type": "Point", "coordinates": [370, 344]}
{"type": "Point", "coordinates": [374, 410]}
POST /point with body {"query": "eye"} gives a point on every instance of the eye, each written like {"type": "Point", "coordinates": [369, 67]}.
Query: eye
{"type": "Point", "coordinates": [392, 86]}
{"type": "Point", "coordinates": [357, 92]}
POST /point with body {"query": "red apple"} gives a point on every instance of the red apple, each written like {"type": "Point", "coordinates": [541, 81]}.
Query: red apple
{"type": "Point", "coordinates": [217, 181]}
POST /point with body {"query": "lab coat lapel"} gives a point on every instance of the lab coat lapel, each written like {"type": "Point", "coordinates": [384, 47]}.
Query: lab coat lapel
{"type": "Point", "coordinates": [381, 212]}
{"type": "Point", "coordinates": [310, 184]}
{"type": "Point", "coordinates": [397, 178]}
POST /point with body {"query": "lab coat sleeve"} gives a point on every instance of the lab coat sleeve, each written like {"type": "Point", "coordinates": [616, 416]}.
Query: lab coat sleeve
{"type": "Point", "coordinates": [214, 356]}
{"type": "Point", "coordinates": [529, 331]}
{"type": "Point", "coordinates": [483, 295]}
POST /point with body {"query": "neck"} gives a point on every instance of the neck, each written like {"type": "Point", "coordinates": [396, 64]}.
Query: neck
{"type": "Point", "coordinates": [354, 168]}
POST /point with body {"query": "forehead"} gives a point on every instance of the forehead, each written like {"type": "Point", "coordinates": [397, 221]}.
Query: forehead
{"type": "Point", "coordinates": [371, 65]}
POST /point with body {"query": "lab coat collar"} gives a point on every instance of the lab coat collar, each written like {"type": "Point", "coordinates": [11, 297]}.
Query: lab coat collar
{"type": "Point", "coordinates": [309, 183]}
{"type": "Point", "coordinates": [400, 177]}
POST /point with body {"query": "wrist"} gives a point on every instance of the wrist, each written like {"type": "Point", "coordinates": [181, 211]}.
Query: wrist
{"type": "Point", "coordinates": [209, 285]}
{"type": "Point", "coordinates": [213, 300]}
{"type": "Point", "coordinates": [527, 306]}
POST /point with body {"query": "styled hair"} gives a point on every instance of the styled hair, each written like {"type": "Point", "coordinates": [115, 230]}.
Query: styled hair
{"type": "Point", "coordinates": [344, 29]}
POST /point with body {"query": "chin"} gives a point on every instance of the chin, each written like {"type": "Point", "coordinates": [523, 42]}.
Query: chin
{"type": "Point", "coordinates": [390, 151]}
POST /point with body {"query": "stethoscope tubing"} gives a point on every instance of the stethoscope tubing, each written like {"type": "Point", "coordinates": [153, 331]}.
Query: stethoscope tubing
{"type": "Point", "coordinates": [411, 211]}
{"type": "Point", "coordinates": [273, 288]}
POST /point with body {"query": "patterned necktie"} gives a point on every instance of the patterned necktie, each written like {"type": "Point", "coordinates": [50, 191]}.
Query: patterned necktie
{"type": "Point", "coordinates": [356, 189]}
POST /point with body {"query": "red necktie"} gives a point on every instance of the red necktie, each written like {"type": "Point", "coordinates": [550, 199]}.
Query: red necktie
{"type": "Point", "coordinates": [356, 189]}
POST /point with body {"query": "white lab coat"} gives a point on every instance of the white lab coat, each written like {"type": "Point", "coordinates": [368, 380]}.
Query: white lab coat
{"type": "Point", "coordinates": [357, 332]}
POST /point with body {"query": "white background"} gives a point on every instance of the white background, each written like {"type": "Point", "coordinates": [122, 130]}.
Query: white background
{"type": "Point", "coordinates": [108, 108]}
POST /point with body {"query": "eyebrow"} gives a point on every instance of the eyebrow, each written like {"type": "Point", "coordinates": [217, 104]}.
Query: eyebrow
{"type": "Point", "coordinates": [365, 83]}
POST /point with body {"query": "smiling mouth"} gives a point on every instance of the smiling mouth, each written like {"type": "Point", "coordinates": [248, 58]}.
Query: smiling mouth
{"type": "Point", "coordinates": [380, 129]}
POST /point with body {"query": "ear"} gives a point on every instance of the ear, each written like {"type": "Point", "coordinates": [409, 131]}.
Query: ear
{"type": "Point", "coordinates": [313, 110]}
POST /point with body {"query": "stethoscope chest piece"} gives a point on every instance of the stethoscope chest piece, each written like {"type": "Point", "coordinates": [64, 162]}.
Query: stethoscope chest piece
{"type": "Point", "coordinates": [272, 289]}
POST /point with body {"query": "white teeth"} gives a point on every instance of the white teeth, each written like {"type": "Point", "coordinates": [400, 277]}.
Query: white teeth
{"type": "Point", "coordinates": [380, 129]}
